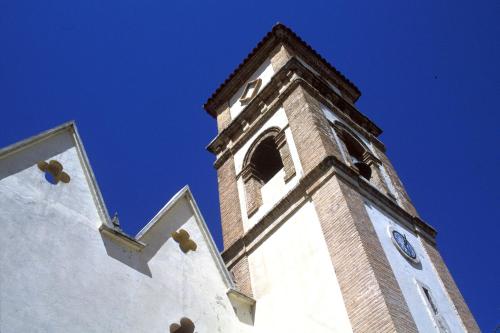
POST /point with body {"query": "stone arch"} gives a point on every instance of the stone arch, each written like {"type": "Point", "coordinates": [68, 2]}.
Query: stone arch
{"type": "Point", "coordinates": [359, 153]}
{"type": "Point", "coordinates": [268, 133]}
{"type": "Point", "coordinates": [342, 128]}
{"type": "Point", "coordinates": [267, 155]}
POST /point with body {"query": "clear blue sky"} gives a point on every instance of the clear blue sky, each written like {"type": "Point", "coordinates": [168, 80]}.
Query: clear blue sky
{"type": "Point", "coordinates": [134, 75]}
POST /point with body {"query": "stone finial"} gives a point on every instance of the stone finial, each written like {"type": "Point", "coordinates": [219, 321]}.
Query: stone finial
{"type": "Point", "coordinates": [185, 326]}
{"type": "Point", "coordinates": [185, 242]}
{"type": "Point", "coordinates": [116, 221]}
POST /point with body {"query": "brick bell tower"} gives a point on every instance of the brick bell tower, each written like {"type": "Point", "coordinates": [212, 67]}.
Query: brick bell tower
{"type": "Point", "coordinates": [317, 225]}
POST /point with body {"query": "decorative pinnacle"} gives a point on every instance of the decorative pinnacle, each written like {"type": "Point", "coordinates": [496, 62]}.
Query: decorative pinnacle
{"type": "Point", "coordinates": [116, 221]}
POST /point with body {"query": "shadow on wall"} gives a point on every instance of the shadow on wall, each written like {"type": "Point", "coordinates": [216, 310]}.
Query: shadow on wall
{"type": "Point", "coordinates": [133, 259]}
{"type": "Point", "coordinates": [157, 234]}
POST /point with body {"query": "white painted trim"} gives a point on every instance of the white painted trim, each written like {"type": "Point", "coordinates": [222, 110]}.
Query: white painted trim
{"type": "Point", "coordinates": [89, 173]}
{"type": "Point", "coordinates": [186, 192]}
{"type": "Point", "coordinates": [71, 128]}
{"type": "Point", "coordinates": [443, 287]}
{"type": "Point", "coordinates": [23, 144]}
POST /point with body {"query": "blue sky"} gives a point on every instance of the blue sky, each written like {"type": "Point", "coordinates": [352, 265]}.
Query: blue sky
{"type": "Point", "coordinates": [134, 74]}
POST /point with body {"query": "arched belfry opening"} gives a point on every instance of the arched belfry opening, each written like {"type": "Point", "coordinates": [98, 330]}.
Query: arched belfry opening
{"type": "Point", "coordinates": [268, 154]}
{"type": "Point", "coordinates": [266, 159]}
{"type": "Point", "coordinates": [360, 156]}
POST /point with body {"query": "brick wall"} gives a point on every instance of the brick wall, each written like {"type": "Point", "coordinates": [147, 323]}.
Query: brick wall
{"type": "Point", "coordinates": [230, 213]}
{"type": "Point", "coordinates": [310, 129]}
{"type": "Point", "coordinates": [371, 293]}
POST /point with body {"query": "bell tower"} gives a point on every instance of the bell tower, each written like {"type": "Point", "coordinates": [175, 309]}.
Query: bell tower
{"type": "Point", "coordinates": [317, 225]}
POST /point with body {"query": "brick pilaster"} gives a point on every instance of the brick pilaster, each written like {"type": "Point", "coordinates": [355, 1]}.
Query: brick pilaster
{"type": "Point", "coordinates": [286, 157]}
{"type": "Point", "coordinates": [310, 129]}
{"type": "Point", "coordinates": [371, 293]}
{"type": "Point", "coordinates": [232, 225]}
{"type": "Point", "coordinates": [253, 186]}
{"type": "Point", "coordinates": [241, 274]}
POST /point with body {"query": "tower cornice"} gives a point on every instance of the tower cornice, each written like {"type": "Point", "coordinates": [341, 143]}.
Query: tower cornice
{"type": "Point", "coordinates": [280, 34]}
{"type": "Point", "coordinates": [309, 183]}
{"type": "Point", "coordinates": [291, 75]}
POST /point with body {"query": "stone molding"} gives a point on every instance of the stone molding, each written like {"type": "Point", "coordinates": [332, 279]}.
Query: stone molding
{"type": "Point", "coordinates": [279, 35]}
{"type": "Point", "coordinates": [307, 185]}
{"type": "Point", "coordinates": [262, 106]}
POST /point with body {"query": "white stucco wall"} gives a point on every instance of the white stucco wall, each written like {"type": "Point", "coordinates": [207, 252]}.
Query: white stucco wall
{"type": "Point", "coordinates": [276, 188]}
{"type": "Point", "coordinates": [59, 274]}
{"type": "Point", "coordinates": [294, 281]}
{"type": "Point", "coordinates": [407, 275]}
{"type": "Point", "coordinates": [265, 72]}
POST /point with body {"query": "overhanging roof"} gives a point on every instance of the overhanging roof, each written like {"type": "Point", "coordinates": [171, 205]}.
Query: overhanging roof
{"type": "Point", "coordinates": [279, 33]}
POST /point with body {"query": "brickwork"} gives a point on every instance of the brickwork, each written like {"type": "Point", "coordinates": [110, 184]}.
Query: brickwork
{"type": "Point", "coordinates": [241, 274]}
{"type": "Point", "coordinates": [232, 225]}
{"type": "Point", "coordinates": [371, 293]}
{"type": "Point", "coordinates": [253, 186]}
{"type": "Point", "coordinates": [286, 157]}
{"type": "Point", "coordinates": [231, 220]}
{"type": "Point", "coordinates": [373, 298]}
{"type": "Point", "coordinates": [310, 129]}
{"type": "Point", "coordinates": [451, 287]}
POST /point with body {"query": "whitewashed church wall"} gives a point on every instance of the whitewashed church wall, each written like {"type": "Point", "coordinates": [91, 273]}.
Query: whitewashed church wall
{"type": "Point", "coordinates": [58, 274]}
{"type": "Point", "coordinates": [294, 281]}
{"type": "Point", "coordinates": [408, 275]}
{"type": "Point", "coordinates": [265, 72]}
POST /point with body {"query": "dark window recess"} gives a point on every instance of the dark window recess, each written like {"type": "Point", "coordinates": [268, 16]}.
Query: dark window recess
{"type": "Point", "coordinates": [430, 300]}
{"type": "Point", "coordinates": [356, 152]}
{"type": "Point", "coordinates": [267, 160]}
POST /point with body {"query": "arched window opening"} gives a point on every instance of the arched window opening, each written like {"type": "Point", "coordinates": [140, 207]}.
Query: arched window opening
{"type": "Point", "coordinates": [357, 153]}
{"type": "Point", "coordinates": [266, 159]}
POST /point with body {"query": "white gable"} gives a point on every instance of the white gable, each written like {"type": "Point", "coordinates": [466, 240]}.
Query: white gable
{"type": "Point", "coordinates": [60, 273]}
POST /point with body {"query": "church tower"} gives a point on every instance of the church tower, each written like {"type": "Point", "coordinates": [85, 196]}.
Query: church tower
{"type": "Point", "coordinates": [317, 226]}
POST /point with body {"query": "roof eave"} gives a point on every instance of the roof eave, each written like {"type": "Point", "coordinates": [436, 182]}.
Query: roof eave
{"type": "Point", "coordinates": [279, 33]}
